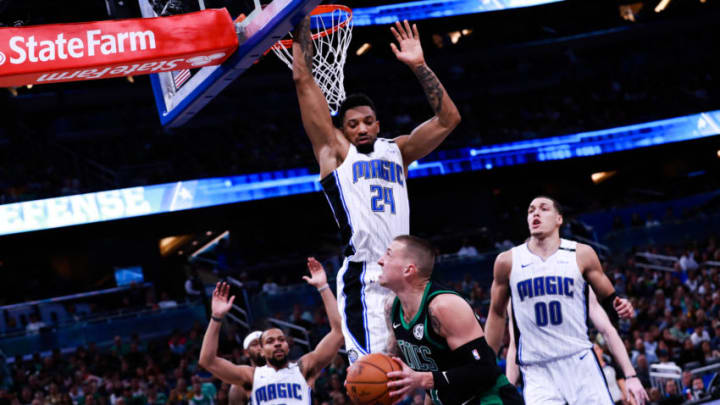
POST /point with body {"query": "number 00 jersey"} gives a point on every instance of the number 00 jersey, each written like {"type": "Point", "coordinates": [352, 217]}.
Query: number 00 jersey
{"type": "Point", "coordinates": [549, 304]}
{"type": "Point", "coordinates": [279, 387]}
{"type": "Point", "coordinates": [368, 197]}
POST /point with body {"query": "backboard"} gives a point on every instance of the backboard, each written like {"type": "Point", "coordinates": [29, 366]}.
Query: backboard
{"type": "Point", "coordinates": [182, 94]}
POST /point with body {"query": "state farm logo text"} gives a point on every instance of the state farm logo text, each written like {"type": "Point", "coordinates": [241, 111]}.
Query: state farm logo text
{"type": "Point", "coordinates": [129, 69]}
{"type": "Point", "coordinates": [93, 43]}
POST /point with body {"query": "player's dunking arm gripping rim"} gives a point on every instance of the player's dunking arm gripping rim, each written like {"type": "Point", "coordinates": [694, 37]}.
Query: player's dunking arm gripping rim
{"type": "Point", "coordinates": [310, 364]}
{"type": "Point", "coordinates": [331, 145]}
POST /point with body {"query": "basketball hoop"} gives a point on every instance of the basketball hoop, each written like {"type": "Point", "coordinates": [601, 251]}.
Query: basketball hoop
{"type": "Point", "coordinates": [331, 27]}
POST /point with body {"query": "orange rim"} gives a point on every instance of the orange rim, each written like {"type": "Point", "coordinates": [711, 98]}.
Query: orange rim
{"type": "Point", "coordinates": [322, 9]}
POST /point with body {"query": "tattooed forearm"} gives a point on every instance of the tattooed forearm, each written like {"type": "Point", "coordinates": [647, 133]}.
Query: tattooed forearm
{"type": "Point", "coordinates": [432, 87]}
{"type": "Point", "coordinates": [392, 346]}
{"type": "Point", "coordinates": [435, 323]}
{"type": "Point", "coordinates": [303, 37]}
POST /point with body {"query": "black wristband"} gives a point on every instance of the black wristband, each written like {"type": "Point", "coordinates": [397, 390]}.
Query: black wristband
{"type": "Point", "coordinates": [631, 376]}
{"type": "Point", "coordinates": [215, 318]}
{"type": "Point", "coordinates": [608, 305]}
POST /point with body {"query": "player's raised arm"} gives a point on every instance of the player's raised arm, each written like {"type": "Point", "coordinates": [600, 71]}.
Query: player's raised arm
{"type": "Point", "coordinates": [499, 296]}
{"type": "Point", "coordinates": [428, 135]}
{"type": "Point", "coordinates": [314, 109]}
{"type": "Point", "coordinates": [209, 360]}
{"type": "Point", "coordinates": [312, 363]}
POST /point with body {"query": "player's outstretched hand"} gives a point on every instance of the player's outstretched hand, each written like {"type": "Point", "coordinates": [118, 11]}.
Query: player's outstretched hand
{"type": "Point", "coordinates": [624, 308]}
{"type": "Point", "coordinates": [317, 278]}
{"type": "Point", "coordinates": [635, 391]}
{"type": "Point", "coordinates": [410, 51]}
{"type": "Point", "coordinates": [220, 303]}
{"type": "Point", "coordinates": [407, 381]}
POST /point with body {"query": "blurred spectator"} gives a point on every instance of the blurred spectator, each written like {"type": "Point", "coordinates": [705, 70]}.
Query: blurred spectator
{"type": "Point", "coordinates": [642, 370]}
{"type": "Point", "coordinates": [193, 286]}
{"type": "Point", "coordinates": [672, 394]}
{"type": "Point", "coordinates": [687, 261]}
{"type": "Point", "coordinates": [198, 397]}
{"type": "Point", "coordinates": [180, 394]}
{"type": "Point", "coordinates": [699, 335]}
{"type": "Point", "coordinates": [697, 391]}
{"type": "Point", "coordinates": [715, 342]}
{"type": "Point", "coordinates": [467, 249]}
{"type": "Point", "coordinates": [119, 348]}
{"type": "Point", "coordinates": [651, 222]}
{"type": "Point", "coordinates": [35, 324]}
{"type": "Point", "coordinates": [177, 342]}
{"type": "Point", "coordinates": [166, 302]}
{"type": "Point", "coordinates": [270, 287]}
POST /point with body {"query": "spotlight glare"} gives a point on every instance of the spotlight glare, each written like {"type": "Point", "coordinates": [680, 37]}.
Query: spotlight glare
{"type": "Point", "coordinates": [662, 5]}
{"type": "Point", "coordinates": [599, 177]}
{"type": "Point", "coordinates": [363, 48]}
{"type": "Point", "coordinates": [454, 36]}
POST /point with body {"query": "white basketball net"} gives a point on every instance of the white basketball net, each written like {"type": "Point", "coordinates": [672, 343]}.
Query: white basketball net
{"type": "Point", "coordinates": [330, 53]}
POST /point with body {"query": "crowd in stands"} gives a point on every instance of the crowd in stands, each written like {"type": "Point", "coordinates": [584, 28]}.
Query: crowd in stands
{"type": "Point", "coordinates": [674, 289]}
{"type": "Point", "coordinates": [135, 371]}
{"type": "Point", "coordinates": [126, 301]}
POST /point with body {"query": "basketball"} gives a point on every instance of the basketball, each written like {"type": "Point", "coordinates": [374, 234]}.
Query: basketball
{"type": "Point", "coordinates": [367, 379]}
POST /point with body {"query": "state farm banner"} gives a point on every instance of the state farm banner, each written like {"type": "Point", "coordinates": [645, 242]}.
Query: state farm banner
{"type": "Point", "coordinates": [103, 49]}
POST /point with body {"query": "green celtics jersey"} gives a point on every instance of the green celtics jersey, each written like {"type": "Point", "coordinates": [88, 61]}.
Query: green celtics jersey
{"type": "Point", "coordinates": [420, 347]}
{"type": "Point", "coordinates": [424, 350]}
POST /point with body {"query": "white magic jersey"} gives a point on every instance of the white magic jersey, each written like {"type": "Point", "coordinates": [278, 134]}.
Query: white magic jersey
{"type": "Point", "coordinates": [368, 197]}
{"type": "Point", "coordinates": [549, 304]}
{"type": "Point", "coordinates": [276, 387]}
